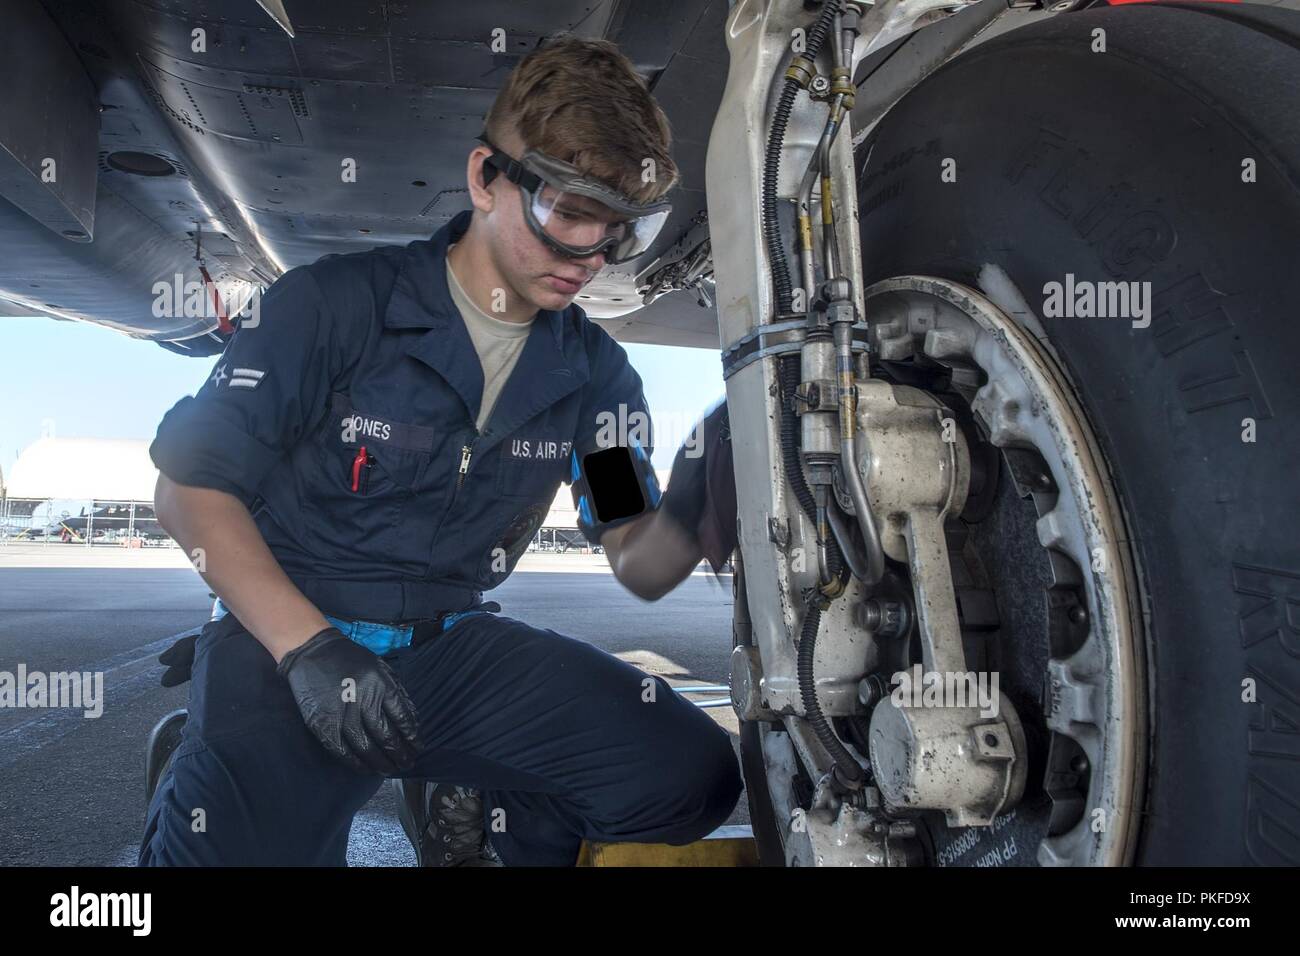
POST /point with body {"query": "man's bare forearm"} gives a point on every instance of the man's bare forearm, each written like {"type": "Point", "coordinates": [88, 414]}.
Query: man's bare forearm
{"type": "Point", "coordinates": [237, 564]}
{"type": "Point", "coordinates": [652, 555]}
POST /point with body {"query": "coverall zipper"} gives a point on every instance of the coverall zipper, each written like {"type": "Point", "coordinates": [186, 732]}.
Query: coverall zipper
{"type": "Point", "coordinates": [465, 452]}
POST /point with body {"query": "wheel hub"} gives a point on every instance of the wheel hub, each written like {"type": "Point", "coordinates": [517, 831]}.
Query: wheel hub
{"type": "Point", "coordinates": [1093, 690]}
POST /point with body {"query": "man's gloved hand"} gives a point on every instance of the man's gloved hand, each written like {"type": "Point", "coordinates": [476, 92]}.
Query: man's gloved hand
{"type": "Point", "coordinates": [369, 724]}
{"type": "Point", "coordinates": [179, 660]}
{"type": "Point", "coordinates": [701, 495]}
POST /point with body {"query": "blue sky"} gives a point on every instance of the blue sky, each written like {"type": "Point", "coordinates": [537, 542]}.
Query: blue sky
{"type": "Point", "coordinates": [86, 381]}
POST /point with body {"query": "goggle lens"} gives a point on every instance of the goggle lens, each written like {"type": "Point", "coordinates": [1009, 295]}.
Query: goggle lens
{"type": "Point", "coordinates": [577, 221]}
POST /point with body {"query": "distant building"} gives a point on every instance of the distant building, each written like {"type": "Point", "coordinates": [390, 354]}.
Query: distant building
{"type": "Point", "coordinates": [103, 469]}
{"type": "Point", "coordinates": [96, 490]}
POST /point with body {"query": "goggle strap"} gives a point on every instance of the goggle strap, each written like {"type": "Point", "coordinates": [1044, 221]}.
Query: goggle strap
{"type": "Point", "coordinates": [514, 170]}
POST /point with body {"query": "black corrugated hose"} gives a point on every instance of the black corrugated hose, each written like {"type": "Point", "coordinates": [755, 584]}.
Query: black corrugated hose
{"type": "Point", "coordinates": [787, 376]}
{"type": "Point", "coordinates": [846, 771]}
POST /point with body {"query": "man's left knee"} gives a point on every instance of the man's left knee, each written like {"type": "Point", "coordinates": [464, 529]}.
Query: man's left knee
{"type": "Point", "coordinates": [722, 781]}
{"type": "Point", "coordinates": [706, 776]}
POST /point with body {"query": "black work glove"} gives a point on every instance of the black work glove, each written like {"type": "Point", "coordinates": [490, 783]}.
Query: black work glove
{"type": "Point", "coordinates": [701, 495]}
{"type": "Point", "coordinates": [369, 725]}
{"type": "Point", "coordinates": [179, 660]}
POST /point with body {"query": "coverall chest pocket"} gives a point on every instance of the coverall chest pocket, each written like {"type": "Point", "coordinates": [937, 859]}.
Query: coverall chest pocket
{"type": "Point", "coordinates": [535, 458]}
{"type": "Point", "coordinates": [531, 464]}
{"type": "Point", "coordinates": [376, 454]}
{"type": "Point", "coordinates": [364, 468]}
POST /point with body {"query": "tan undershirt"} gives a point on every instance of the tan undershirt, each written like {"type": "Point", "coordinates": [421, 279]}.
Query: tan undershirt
{"type": "Point", "coordinates": [497, 342]}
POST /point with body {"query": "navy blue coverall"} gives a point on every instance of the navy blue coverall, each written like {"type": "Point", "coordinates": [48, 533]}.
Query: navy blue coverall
{"type": "Point", "coordinates": [368, 351]}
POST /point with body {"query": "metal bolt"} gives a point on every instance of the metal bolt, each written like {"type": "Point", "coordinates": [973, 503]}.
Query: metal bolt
{"type": "Point", "coordinates": [819, 85]}
{"type": "Point", "coordinates": [871, 690]}
{"type": "Point", "coordinates": [867, 615]}
{"type": "Point", "coordinates": [882, 618]}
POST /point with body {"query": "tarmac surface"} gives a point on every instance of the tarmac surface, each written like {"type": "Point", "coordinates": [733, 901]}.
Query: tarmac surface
{"type": "Point", "coordinates": [72, 787]}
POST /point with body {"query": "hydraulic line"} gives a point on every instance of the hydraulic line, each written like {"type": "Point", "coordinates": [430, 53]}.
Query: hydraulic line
{"type": "Point", "coordinates": [788, 374]}
{"type": "Point", "coordinates": [830, 246]}
{"type": "Point", "coordinates": [787, 377]}
{"type": "Point", "coordinates": [844, 373]}
{"type": "Point", "coordinates": [788, 366]}
{"type": "Point", "coordinates": [829, 243]}
{"type": "Point", "coordinates": [842, 325]}
{"type": "Point", "coordinates": [875, 558]}
{"type": "Point", "coordinates": [771, 224]}
{"type": "Point", "coordinates": [844, 538]}
{"type": "Point", "coordinates": [833, 571]}
{"type": "Point", "coordinates": [847, 772]}
{"type": "Point", "coordinates": [848, 402]}
{"type": "Point", "coordinates": [819, 162]}
{"type": "Point", "coordinates": [772, 159]}
{"type": "Point", "coordinates": [824, 540]}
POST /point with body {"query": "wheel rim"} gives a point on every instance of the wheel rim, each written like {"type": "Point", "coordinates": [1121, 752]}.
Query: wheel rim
{"type": "Point", "coordinates": [1095, 694]}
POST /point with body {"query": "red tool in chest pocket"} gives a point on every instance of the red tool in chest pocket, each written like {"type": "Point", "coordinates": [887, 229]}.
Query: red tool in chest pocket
{"type": "Point", "coordinates": [361, 466]}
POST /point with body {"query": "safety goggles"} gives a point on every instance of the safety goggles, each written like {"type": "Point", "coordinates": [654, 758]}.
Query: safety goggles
{"type": "Point", "coordinates": [573, 214]}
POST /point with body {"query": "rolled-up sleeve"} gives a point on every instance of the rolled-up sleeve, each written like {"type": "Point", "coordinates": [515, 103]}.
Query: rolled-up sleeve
{"type": "Point", "coordinates": [269, 386]}
{"type": "Point", "coordinates": [614, 412]}
{"type": "Point", "coordinates": [613, 405]}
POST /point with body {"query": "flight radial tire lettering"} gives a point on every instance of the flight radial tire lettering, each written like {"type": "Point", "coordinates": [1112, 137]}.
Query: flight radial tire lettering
{"type": "Point", "coordinates": [1150, 189]}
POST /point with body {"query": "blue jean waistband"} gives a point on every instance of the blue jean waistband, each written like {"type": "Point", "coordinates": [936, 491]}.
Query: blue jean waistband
{"type": "Point", "coordinates": [382, 638]}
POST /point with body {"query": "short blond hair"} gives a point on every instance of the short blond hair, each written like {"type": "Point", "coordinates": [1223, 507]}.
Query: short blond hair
{"type": "Point", "coordinates": [581, 101]}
